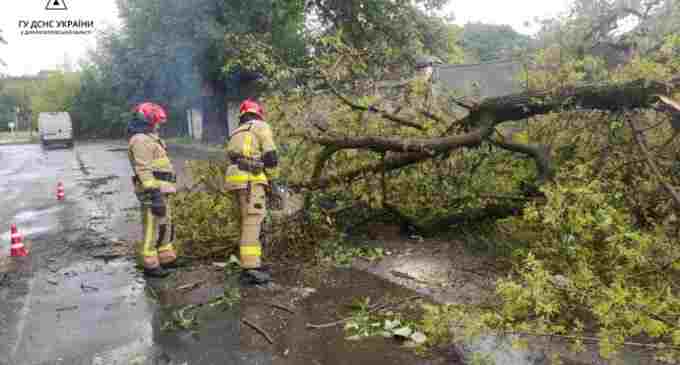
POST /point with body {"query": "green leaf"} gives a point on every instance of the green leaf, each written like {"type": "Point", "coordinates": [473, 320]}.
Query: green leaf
{"type": "Point", "coordinates": [403, 332]}
{"type": "Point", "coordinates": [390, 325]}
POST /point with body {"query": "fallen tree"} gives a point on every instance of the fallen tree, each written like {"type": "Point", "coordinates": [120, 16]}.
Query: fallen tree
{"type": "Point", "coordinates": [480, 125]}
{"type": "Point", "coordinates": [483, 118]}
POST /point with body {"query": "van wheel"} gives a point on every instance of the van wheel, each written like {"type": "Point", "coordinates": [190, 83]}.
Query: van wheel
{"type": "Point", "coordinates": [69, 145]}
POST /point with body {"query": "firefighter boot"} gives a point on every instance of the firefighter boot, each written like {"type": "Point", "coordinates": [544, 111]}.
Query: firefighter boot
{"type": "Point", "coordinates": [177, 263]}
{"type": "Point", "coordinates": [255, 277]}
{"type": "Point", "coordinates": [156, 272]}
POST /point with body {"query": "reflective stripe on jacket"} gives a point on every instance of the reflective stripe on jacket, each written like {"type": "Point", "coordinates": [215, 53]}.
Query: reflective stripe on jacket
{"type": "Point", "coordinates": [251, 140]}
{"type": "Point", "coordinates": [148, 155]}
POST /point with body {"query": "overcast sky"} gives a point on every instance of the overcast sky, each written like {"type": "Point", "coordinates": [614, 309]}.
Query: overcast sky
{"type": "Point", "coordinates": [514, 13]}
{"type": "Point", "coordinates": [28, 54]}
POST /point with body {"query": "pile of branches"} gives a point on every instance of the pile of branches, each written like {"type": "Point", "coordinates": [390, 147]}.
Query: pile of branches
{"type": "Point", "coordinates": [206, 220]}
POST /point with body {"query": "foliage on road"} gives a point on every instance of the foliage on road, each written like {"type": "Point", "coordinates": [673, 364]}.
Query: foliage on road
{"type": "Point", "coordinates": [370, 319]}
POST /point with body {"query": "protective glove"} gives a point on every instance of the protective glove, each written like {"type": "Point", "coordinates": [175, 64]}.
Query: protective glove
{"type": "Point", "coordinates": [158, 207]}
{"type": "Point", "coordinates": [277, 194]}
{"type": "Point", "coordinates": [276, 186]}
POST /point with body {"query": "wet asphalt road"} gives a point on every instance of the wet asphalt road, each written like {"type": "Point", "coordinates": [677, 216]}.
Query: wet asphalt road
{"type": "Point", "coordinates": [64, 304]}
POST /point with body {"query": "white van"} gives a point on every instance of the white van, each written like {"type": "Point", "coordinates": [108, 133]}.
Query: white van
{"type": "Point", "coordinates": [55, 128]}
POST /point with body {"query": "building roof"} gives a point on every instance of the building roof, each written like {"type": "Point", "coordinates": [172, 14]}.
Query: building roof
{"type": "Point", "coordinates": [483, 80]}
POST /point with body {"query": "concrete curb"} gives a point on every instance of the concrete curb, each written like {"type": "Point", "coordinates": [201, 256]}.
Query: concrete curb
{"type": "Point", "coordinates": [18, 142]}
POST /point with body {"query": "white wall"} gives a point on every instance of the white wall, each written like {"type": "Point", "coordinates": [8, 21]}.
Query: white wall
{"type": "Point", "coordinates": [195, 120]}
{"type": "Point", "coordinates": [232, 115]}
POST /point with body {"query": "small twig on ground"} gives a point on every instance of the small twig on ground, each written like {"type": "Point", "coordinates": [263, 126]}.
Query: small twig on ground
{"type": "Point", "coordinates": [376, 308]}
{"type": "Point", "coordinates": [402, 275]}
{"type": "Point", "coordinates": [281, 307]}
{"type": "Point", "coordinates": [71, 308]}
{"type": "Point", "coordinates": [189, 286]}
{"type": "Point", "coordinates": [258, 330]}
{"type": "Point", "coordinates": [87, 288]}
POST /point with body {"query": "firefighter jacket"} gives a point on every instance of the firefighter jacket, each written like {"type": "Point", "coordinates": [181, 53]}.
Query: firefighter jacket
{"type": "Point", "coordinates": [149, 159]}
{"type": "Point", "coordinates": [252, 153]}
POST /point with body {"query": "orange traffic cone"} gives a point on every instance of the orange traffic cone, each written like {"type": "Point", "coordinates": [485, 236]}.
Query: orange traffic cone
{"type": "Point", "coordinates": [60, 191]}
{"type": "Point", "coordinates": [17, 248]}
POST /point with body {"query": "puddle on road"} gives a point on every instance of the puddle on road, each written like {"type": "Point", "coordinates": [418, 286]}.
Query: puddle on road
{"type": "Point", "coordinates": [117, 149]}
{"type": "Point", "coordinates": [28, 215]}
{"type": "Point", "coordinates": [99, 312]}
{"type": "Point", "coordinates": [9, 172]}
{"type": "Point", "coordinates": [186, 328]}
{"type": "Point", "coordinates": [84, 169]}
{"type": "Point", "coordinates": [424, 267]}
{"type": "Point", "coordinates": [97, 182]}
{"type": "Point", "coordinates": [328, 299]}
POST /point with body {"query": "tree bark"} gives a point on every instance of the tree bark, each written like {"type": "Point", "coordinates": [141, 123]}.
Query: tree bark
{"type": "Point", "coordinates": [609, 97]}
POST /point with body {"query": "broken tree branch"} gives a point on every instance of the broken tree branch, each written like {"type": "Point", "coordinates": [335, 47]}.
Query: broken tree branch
{"type": "Point", "coordinates": [325, 155]}
{"type": "Point", "coordinates": [380, 112]}
{"type": "Point", "coordinates": [397, 144]}
{"type": "Point", "coordinates": [610, 97]}
{"type": "Point", "coordinates": [591, 340]}
{"type": "Point", "coordinates": [432, 116]}
{"type": "Point", "coordinates": [471, 216]}
{"type": "Point", "coordinates": [652, 165]}
{"type": "Point", "coordinates": [539, 153]}
{"type": "Point", "coordinates": [390, 164]}
{"type": "Point", "coordinates": [489, 113]}
{"type": "Point", "coordinates": [258, 329]}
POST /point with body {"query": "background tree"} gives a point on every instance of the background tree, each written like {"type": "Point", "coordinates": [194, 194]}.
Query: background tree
{"type": "Point", "coordinates": [489, 42]}
{"type": "Point", "coordinates": [394, 32]}
{"type": "Point", "coordinates": [17, 93]}
{"type": "Point", "coordinates": [167, 51]}
{"type": "Point", "coordinates": [55, 94]}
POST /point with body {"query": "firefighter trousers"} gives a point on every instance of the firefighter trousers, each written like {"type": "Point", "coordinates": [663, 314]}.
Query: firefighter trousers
{"type": "Point", "coordinates": [250, 207]}
{"type": "Point", "coordinates": [157, 247]}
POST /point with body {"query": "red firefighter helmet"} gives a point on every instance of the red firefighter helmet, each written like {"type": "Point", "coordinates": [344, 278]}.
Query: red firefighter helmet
{"type": "Point", "coordinates": [249, 106]}
{"type": "Point", "coordinates": [152, 113]}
